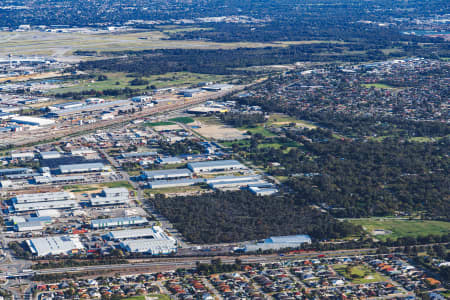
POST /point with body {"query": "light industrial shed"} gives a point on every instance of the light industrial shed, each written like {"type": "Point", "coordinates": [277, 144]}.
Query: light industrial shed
{"type": "Point", "coordinates": [43, 197]}
{"type": "Point", "coordinates": [55, 245]}
{"type": "Point", "coordinates": [150, 246]}
{"type": "Point", "coordinates": [80, 168]}
{"type": "Point", "coordinates": [116, 222]}
{"type": "Point", "coordinates": [19, 207]}
{"type": "Point", "coordinates": [215, 166]}
{"type": "Point", "coordinates": [161, 184]}
{"type": "Point", "coordinates": [166, 174]}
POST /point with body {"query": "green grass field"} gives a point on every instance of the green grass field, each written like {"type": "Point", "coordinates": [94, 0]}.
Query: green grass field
{"type": "Point", "coordinates": [162, 123]}
{"type": "Point", "coordinates": [258, 129]}
{"type": "Point", "coordinates": [378, 85]}
{"type": "Point", "coordinates": [403, 228]}
{"type": "Point", "coordinates": [119, 80]}
{"type": "Point", "coordinates": [124, 184]}
{"type": "Point", "coordinates": [359, 274]}
{"type": "Point", "coordinates": [184, 120]}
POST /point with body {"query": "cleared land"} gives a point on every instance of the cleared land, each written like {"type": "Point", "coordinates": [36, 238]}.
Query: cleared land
{"type": "Point", "coordinates": [402, 228]}
{"type": "Point", "coordinates": [359, 274]}
{"type": "Point", "coordinates": [378, 85]}
{"type": "Point", "coordinates": [220, 132]}
{"type": "Point", "coordinates": [63, 44]}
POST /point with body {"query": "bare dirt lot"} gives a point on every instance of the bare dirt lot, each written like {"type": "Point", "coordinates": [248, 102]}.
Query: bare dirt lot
{"type": "Point", "coordinates": [220, 132]}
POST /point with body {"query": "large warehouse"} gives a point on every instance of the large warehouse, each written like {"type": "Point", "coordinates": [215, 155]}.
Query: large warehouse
{"type": "Point", "coordinates": [279, 242]}
{"type": "Point", "coordinates": [43, 197]}
{"type": "Point", "coordinates": [116, 222]}
{"type": "Point", "coordinates": [155, 232]}
{"type": "Point", "coordinates": [55, 245]}
{"type": "Point", "coordinates": [20, 207]}
{"type": "Point", "coordinates": [34, 121]}
{"type": "Point", "coordinates": [80, 168]}
{"type": "Point", "coordinates": [150, 246]}
{"type": "Point", "coordinates": [215, 166]}
{"type": "Point", "coordinates": [4, 172]}
{"type": "Point", "coordinates": [111, 196]}
{"type": "Point", "coordinates": [166, 174]}
{"type": "Point", "coordinates": [161, 184]}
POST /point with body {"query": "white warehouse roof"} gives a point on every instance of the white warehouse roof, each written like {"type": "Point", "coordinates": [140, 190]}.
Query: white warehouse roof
{"type": "Point", "coordinates": [166, 174]}
{"type": "Point", "coordinates": [152, 246]}
{"type": "Point", "coordinates": [54, 245]}
{"type": "Point", "coordinates": [86, 167]}
{"type": "Point", "coordinates": [32, 121]}
{"type": "Point", "coordinates": [155, 232]}
{"type": "Point", "coordinates": [205, 166]}
{"type": "Point", "coordinates": [45, 205]}
{"type": "Point", "coordinates": [43, 197]}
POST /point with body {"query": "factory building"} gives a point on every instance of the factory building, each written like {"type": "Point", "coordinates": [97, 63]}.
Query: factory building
{"type": "Point", "coordinates": [232, 178]}
{"type": "Point", "coordinates": [168, 160]}
{"type": "Point", "coordinates": [166, 174]}
{"type": "Point", "coordinates": [56, 245]}
{"type": "Point", "coordinates": [150, 246]}
{"type": "Point", "coordinates": [161, 184]}
{"type": "Point", "coordinates": [128, 234]}
{"type": "Point", "coordinates": [217, 87]}
{"type": "Point", "coordinates": [33, 121]}
{"type": "Point", "coordinates": [111, 196]}
{"type": "Point", "coordinates": [67, 204]}
{"type": "Point", "coordinates": [81, 168]}
{"type": "Point", "coordinates": [58, 180]}
{"type": "Point", "coordinates": [22, 155]}
{"type": "Point", "coordinates": [4, 172]}
{"type": "Point", "coordinates": [66, 105]}
{"type": "Point", "coordinates": [141, 99]}
{"type": "Point", "coordinates": [215, 166]}
{"type": "Point", "coordinates": [50, 155]}
{"type": "Point", "coordinates": [43, 197]}
{"type": "Point", "coordinates": [53, 213]}
{"type": "Point", "coordinates": [28, 226]}
{"type": "Point", "coordinates": [138, 154]}
{"type": "Point", "coordinates": [117, 222]}
{"type": "Point", "coordinates": [279, 242]}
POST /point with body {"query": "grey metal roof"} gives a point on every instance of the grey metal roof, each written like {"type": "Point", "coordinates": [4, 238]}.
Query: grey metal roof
{"type": "Point", "coordinates": [214, 163]}
{"type": "Point", "coordinates": [43, 197]}
{"type": "Point", "coordinates": [172, 183]}
{"type": "Point", "coordinates": [118, 220]}
{"type": "Point", "coordinates": [81, 167]}
{"type": "Point", "coordinates": [167, 173]}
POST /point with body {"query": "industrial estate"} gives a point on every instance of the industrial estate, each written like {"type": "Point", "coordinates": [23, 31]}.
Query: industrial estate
{"type": "Point", "coordinates": [209, 150]}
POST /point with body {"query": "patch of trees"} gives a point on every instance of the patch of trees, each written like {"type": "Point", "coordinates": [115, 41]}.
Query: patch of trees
{"type": "Point", "coordinates": [362, 177]}
{"type": "Point", "coordinates": [242, 119]}
{"type": "Point", "coordinates": [139, 81]}
{"type": "Point", "coordinates": [220, 61]}
{"type": "Point", "coordinates": [181, 147]}
{"type": "Point", "coordinates": [240, 216]}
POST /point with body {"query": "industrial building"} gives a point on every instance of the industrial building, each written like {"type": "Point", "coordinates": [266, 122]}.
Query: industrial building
{"type": "Point", "coordinates": [67, 105]}
{"type": "Point", "coordinates": [111, 196]}
{"type": "Point", "coordinates": [279, 242]}
{"type": "Point", "coordinates": [58, 180]}
{"type": "Point", "coordinates": [117, 222]}
{"type": "Point", "coordinates": [81, 168]}
{"type": "Point", "coordinates": [262, 191]}
{"type": "Point", "coordinates": [101, 107]}
{"type": "Point", "coordinates": [53, 213]}
{"type": "Point", "coordinates": [33, 121]}
{"type": "Point", "coordinates": [166, 174]}
{"type": "Point", "coordinates": [4, 172]}
{"type": "Point", "coordinates": [55, 245]}
{"type": "Point", "coordinates": [20, 207]}
{"type": "Point", "coordinates": [50, 155]}
{"type": "Point", "coordinates": [231, 178]}
{"type": "Point", "coordinates": [168, 160]}
{"type": "Point", "coordinates": [128, 234]}
{"type": "Point", "coordinates": [43, 197]}
{"type": "Point", "coordinates": [28, 226]}
{"type": "Point", "coordinates": [22, 155]}
{"type": "Point", "coordinates": [215, 166]}
{"type": "Point", "coordinates": [217, 87]}
{"type": "Point", "coordinates": [138, 154]}
{"type": "Point", "coordinates": [150, 246]}
{"type": "Point", "coordinates": [161, 184]}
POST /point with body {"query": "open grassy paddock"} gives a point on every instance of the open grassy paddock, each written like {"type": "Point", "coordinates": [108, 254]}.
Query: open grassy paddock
{"type": "Point", "coordinates": [120, 80]}
{"type": "Point", "coordinates": [359, 274]}
{"type": "Point", "coordinates": [396, 228]}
